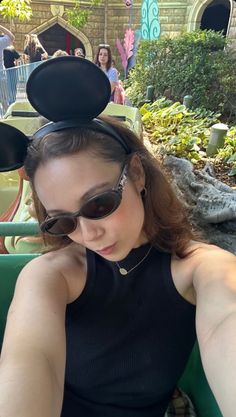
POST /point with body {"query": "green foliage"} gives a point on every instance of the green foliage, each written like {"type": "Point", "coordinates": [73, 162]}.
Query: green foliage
{"type": "Point", "coordinates": [16, 9]}
{"type": "Point", "coordinates": [197, 63]}
{"type": "Point", "coordinates": [228, 153]}
{"type": "Point", "coordinates": [175, 130]}
{"type": "Point", "coordinates": [77, 16]}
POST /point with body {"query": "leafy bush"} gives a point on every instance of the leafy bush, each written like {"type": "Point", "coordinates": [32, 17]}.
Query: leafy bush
{"type": "Point", "coordinates": [228, 153]}
{"type": "Point", "coordinates": [197, 63]}
{"type": "Point", "coordinates": [175, 130]}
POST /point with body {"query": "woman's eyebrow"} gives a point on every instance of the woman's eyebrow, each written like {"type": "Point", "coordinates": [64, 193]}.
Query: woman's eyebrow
{"type": "Point", "coordinates": [90, 193]}
{"type": "Point", "coordinates": [94, 190]}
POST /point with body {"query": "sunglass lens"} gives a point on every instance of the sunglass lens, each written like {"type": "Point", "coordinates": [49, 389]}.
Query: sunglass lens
{"type": "Point", "coordinates": [101, 206]}
{"type": "Point", "coordinates": [59, 226]}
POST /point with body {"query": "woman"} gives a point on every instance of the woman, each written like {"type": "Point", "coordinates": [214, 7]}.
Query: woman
{"type": "Point", "coordinates": [58, 53]}
{"type": "Point", "coordinates": [6, 38]}
{"type": "Point", "coordinates": [34, 49]}
{"type": "Point", "coordinates": [103, 324]}
{"type": "Point", "coordinates": [104, 61]}
{"type": "Point", "coordinates": [79, 53]}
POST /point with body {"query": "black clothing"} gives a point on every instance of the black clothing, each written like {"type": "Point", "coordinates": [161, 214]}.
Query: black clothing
{"type": "Point", "coordinates": [128, 339]}
{"type": "Point", "coordinates": [37, 55]}
{"type": "Point", "coordinates": [9, 56]}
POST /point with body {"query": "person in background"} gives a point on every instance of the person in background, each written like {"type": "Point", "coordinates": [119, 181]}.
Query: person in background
{"type": "Point", "coordinates": [104, 60]}
{"type": "Point", "coordinates": [119, 91]}
{"type": "Point", "coordinates": [10, 60]}
{"type": "Point", "coordinates": [79, 52]}
{"type": "Point", "coordinates": [6, 38]}
{"type": "Point", "coordinates": [59, 53]}
{"type": "Point", "coordinates": [34, 49]}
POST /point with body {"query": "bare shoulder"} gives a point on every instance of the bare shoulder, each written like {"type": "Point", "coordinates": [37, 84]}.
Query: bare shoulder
{"type": "Point", "coordinates": [211, 263]}
{"type": "Point", "coordinates": [202, 264]}
{"type": "Point", "coordinates": [62, 268]}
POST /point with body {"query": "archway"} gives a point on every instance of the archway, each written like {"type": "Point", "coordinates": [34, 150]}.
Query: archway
{"type": "Point", "coordinates": [56, 37]}
{"type": "Point", "coordinates": [216, 16]}
{"type": "Point", "coordinates": [199, 7]}
{"type": "Point", "coordinates": [57, 33]}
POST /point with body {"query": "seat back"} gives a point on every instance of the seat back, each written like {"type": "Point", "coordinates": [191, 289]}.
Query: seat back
{"type": "Point", "coordinates": [194, 383]}
{"type": "Point", "coordinates": [10, 267]}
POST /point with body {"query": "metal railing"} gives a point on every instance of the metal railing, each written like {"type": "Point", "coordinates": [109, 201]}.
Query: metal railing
{"type": "Point", "coordinates": [19, 228]}
{"type": "Point", "coordinates": [13, 84]}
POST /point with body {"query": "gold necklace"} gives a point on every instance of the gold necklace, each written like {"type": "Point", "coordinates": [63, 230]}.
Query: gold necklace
{"type": "Point", "coordinates": [124, 271]}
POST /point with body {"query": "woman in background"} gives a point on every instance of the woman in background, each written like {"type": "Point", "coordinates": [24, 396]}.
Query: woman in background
{"type": "Point", "coordinates": [79, 52]}
{"type": "Point", "coordinates": [104, 61]}
{"type": "Point", "coordinates": [59, 52]}
{"type": "Point", "coordinates": [34, 49]}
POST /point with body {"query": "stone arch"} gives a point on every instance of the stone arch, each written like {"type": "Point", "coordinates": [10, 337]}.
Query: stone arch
{"type": "Point", "coordinates": [69, 28]}
{"type": "Point", "coordinates": [197, 10]}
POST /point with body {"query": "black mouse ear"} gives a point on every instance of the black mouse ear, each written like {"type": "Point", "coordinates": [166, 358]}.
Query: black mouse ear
{"type": "Point", "coordinates": [13, 147]}
{"type": "Point", "coordinates": [68, 88]}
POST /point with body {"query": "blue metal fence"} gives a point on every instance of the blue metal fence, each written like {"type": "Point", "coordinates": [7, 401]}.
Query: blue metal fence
{"type": "Point", "coordinates": [13, 84]}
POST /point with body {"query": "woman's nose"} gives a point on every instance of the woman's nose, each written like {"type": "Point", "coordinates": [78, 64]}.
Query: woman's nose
{"type": "Point", "coordinates": [90, 229]}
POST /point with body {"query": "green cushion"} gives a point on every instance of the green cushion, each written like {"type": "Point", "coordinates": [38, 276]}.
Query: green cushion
{"type": "Point", "coordinates": [194, 383]}
{"type": "Point", "coordinates": [10, 267]}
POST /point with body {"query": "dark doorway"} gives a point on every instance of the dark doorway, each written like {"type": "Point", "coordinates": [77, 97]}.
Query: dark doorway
{"type": "Point", "coordinates": [216, 16]}
{"type": "Point", "coordinates": [56, 37]}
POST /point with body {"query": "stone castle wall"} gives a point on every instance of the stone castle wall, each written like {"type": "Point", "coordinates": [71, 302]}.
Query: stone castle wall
{"type": "Point", "coordinates": [110, 20]}
{"type": "Point", "coordinates": [100, 28]}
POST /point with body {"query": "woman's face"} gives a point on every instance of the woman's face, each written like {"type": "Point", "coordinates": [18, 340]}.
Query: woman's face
{"type": "Point", "coordinates": [103, 56]}
{"type": "Point", "coordinates": [64, 184]}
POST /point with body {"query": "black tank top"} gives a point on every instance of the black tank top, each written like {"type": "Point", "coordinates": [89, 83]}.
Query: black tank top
{"type": "Point", "coordinates": [128, 339]}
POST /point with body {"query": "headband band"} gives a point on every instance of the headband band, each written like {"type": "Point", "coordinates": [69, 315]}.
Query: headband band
{"type": "Point", "coordinates": [97, 125]}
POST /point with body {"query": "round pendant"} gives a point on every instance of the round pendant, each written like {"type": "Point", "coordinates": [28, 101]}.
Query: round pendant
{"type": "Point", "coordinates": [123, 271]}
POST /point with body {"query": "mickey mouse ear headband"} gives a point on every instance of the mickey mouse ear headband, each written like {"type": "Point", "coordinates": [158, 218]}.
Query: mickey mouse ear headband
{"type": "Point", "coordinates": [69, 91]}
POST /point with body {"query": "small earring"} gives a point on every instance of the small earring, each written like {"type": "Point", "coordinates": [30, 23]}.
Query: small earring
{"type": "Point", "coordinates": [143, 192]}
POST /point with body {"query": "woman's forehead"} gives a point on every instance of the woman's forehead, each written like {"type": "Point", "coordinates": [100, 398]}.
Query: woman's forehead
{"type": "Point", "coordinates": [82, 168]}
{"type": "Point", "coordinates": [72, 177]}
{"type": "Point", "coordinates": [79, 163]}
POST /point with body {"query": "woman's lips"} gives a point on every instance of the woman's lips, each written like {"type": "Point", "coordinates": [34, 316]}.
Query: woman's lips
{"type": "Point", "coordinates": [106, 251]}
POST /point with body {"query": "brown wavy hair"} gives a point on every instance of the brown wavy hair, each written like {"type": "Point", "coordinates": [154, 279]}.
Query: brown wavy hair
{"type": "Point", "coordinates": [166, 223]}
{"type": "Point", "coordinates": [32, 44]}
{"type": "Point", "coordinates": [108, 49]}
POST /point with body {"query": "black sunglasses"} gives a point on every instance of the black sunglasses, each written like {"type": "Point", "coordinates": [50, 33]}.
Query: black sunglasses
{"type": "Point", "coordinates": [97, 207]}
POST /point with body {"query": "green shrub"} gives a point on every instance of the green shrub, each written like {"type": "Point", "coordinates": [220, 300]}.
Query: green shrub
{"type": "Point", "coordinates": [228, 153]}
{"type": "Point", "coordinates": [197, 63]}
{"type": "Point", "coordinates": [176, 130]}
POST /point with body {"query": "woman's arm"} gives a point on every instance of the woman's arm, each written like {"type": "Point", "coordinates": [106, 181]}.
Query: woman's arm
{"type": "Point", "coordinates": [25, 55]}
{"type": "Point", "coordinates": [215, 284]}
{"type": "Point", "coordinates": [44, 54]}
{"type": "Point", "coordinates": [113, 78]}
{"type": "Point", "coordinates": [33, 355]}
